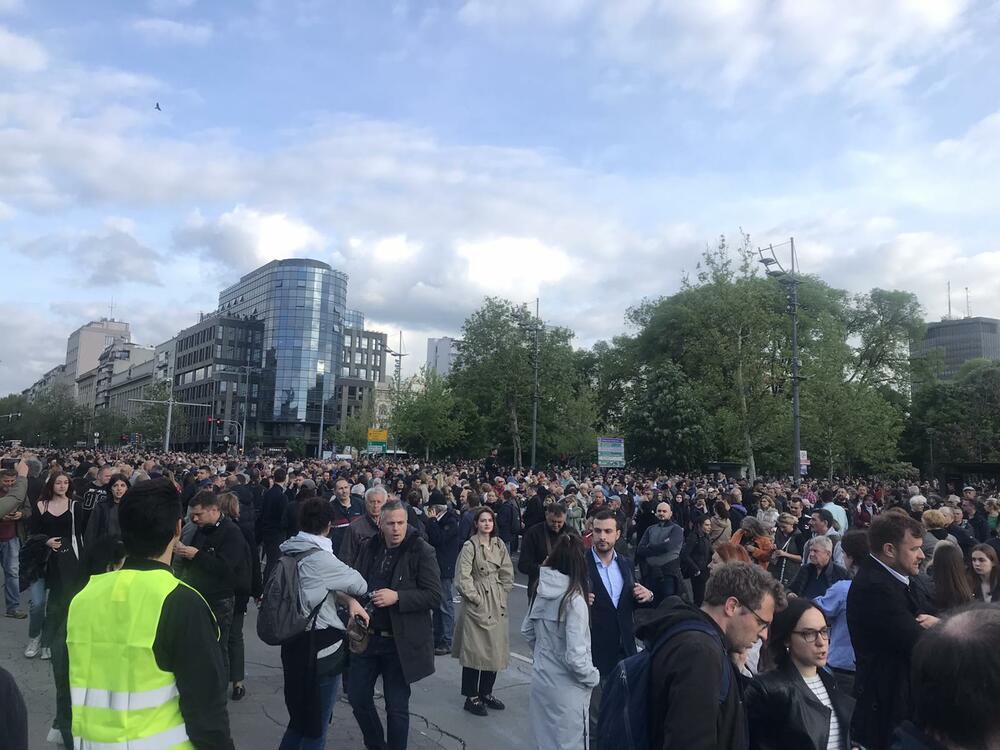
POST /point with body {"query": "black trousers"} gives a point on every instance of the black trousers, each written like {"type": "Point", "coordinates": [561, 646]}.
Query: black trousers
{"type": "Point", "coordinates": [476, 683]}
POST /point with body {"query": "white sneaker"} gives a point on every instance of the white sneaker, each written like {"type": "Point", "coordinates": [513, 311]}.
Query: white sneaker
{"type": "Point", "coordinates": [46, 654]}
{"type": "Point", "coordinates": [33, 647]}
{"type": "Point", "coordinates": [55, 737]}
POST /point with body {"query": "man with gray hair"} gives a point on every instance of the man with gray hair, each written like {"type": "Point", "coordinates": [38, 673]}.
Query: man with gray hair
{"type": "Point", "coordinates": [820, 573]}
{"type": "Point", "coordinates": [364, 526]}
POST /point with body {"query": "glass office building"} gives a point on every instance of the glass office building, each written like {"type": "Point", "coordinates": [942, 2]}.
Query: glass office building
{"type": "Point", "coordinates": [303, 304]}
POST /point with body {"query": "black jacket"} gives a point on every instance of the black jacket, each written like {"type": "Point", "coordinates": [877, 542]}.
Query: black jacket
{"type": "Point", "coordinates": [442, 534]}
{"type": "Point", "coordinates": [13, 713]}
{"type": "Point", "coordinates": [685, 681]}
{"type": "Point", "coordinates": [342, 518]}
{"type": "Point", "coordinates": [908, 737]}
{"type": "Point", "coordinates": [881, 618]}
{"type": "Point", "coordinates": [417, 581]}
{"type": "Point", "coordinates": [363, 527]}
{"type": "Point", "coordinates": [222, 567]}
{"type": "Point", "coordinates": [808, 582]}
{"type": "Point", "coordinates": [612, 631]}
{"type": "Point", "coordinates": [784, 714]}
{"type": "Point", "coordinates": [272, 513]}
{"type": "Point", "coordinates": [696, 554]}
{"type": "Point", "coordinates": [538, 541]}
{"type": "Point", "coordinates": [508, 520]}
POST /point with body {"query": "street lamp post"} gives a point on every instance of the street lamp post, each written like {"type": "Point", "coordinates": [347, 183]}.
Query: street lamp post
{"type": "Point", "coordinates": [321, 370]}
{"type": "Point", "coordinates": [170, 411]}
{"type": "Point", "coordinates": [97, 439]}
{"type": "Point", "coordinates": [790, 281]}
{"type": "Point", "coordinates": [535, 328]}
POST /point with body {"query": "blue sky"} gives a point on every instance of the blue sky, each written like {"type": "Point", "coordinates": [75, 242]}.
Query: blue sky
{"type": "Point", "coordinates": [578, 150]}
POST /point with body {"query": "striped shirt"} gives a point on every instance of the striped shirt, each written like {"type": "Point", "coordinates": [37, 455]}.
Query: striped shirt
{"type": "Point", "coordinates": [815, 684]}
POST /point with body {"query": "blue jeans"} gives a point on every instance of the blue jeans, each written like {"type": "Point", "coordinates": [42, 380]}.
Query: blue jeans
{"type": "Point", "coordinates": [9, 552]}
{"type": "Point", "coordinates": [327, 697]}
{"type": "Point", "coordinates": [444, 616]}
{"type": "Point", "coordinates": [381, 658]}
{"type": "Point", "coordinates": [36, 614]}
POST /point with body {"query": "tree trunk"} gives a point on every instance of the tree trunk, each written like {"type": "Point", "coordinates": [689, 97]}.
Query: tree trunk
{"type": "Point", "coordinates": [744, 411]}
{"type": "Point", "coordinates": [515, 432]}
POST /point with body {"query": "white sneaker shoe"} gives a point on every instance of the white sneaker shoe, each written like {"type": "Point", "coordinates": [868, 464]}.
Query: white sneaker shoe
{"type": "Point", "coordinates": [33, 647]}
{"type": "Point", "coordinates": [55, 737]}
{"type": "Point", "coordinates": [46, 654]}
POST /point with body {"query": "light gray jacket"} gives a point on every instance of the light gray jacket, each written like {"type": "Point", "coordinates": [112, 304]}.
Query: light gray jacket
{"type": "Point", "coordinates": [321, 575]}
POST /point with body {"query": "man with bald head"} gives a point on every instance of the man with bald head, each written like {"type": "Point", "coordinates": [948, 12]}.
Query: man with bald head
{"type": "Point", "coordinates": [659, 553]}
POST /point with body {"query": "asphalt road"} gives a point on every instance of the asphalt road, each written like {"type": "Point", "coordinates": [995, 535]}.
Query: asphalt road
{"type": "Point", "coordinates": [436, 716]}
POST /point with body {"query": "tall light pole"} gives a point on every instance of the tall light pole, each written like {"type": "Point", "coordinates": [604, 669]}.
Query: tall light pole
{"type": "Point", "coordinates": [790, 280]}
{"type": "Point", "coordinates": [535, 327]}
{"type": "Point", "coordinates": [170, 411]}
{"type": "Point", "coordinates": [398, 355]}
{"type": "Point", "coordinates": [321, 370]}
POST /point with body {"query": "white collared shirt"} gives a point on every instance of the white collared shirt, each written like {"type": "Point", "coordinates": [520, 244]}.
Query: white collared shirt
{"type": "Point", "coordinates": [905, 580]}
{"type": "Point", "coordinates": [611, 576]}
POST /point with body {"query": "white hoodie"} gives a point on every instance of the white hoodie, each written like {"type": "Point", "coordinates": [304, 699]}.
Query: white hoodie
{"type": "Point", "coordinates": [321, 575]}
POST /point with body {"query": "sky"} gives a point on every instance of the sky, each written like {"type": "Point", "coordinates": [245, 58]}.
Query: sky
{"type": "Point", "coordinates": [581, 151]}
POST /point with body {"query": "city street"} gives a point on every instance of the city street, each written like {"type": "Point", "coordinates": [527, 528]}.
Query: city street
{"type": "Point", "coordinates": [436, 716]}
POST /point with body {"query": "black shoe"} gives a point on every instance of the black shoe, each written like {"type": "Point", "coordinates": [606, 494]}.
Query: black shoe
{"type": "Point", "coordinates": [491, 701]}
{"type": "Point", "coordinates": [442, 650]}
{"type": "Point", "coordinates": [475, 706]}
{"type": "Point", "coordinates": [239, 692]}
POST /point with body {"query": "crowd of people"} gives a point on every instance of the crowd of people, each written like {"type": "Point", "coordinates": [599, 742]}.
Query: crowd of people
{"type": "Point", "coordinates": [771, 615]}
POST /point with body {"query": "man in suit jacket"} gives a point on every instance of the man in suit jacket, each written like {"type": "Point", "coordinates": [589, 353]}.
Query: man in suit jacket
{"type": "Point", "coordinates": [612, 601]}
{"type": "Point", "coordinates": [886, 614]}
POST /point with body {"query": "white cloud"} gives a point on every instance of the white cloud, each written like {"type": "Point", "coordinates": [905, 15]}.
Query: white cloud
{"type": "Point", "coordinates": [516, 266]}
{"type": "Point", "coordinates": [168, 31]}
{"type": "Point", "coordinates": [396, 249]}
{"type": "Point", "coordinates": [863, 47]}
{"type": "Point", "coordinates": [244, 238]}
{"type": "Point", "coordinates": [19, 53]}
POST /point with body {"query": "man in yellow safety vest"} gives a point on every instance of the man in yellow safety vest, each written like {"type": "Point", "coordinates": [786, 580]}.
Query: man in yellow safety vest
{"type": "Point", "coordinates": [145, 669]}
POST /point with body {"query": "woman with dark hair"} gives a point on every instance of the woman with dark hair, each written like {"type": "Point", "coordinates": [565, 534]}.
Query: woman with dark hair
{"type": "Point", "coordinates": [786, 559]}
{"type": "Point", "coordinates": [54, 524]}
{"type": "Point", "coordinates": [696, 555]}
{"type": "Point", "coordinates": [313, 661]}
{"type": "Point", "coordinates": [951, 581]}
{"type": "Point", "coordinates": [104, 518]}
{"type": "Point", "coordinates": [722, 528]}
{"type": "Point", "coordinates": [481, 643]}
{"type": "Point", "coordinates": [985, 574]}
{"type": "Point", "coordinates": [557, 627]}
{"type": "Point", "coordinates": [797, 705]}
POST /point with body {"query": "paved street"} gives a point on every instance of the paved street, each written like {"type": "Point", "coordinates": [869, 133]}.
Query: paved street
{"type": "Point", "coordinates": [437, 719]}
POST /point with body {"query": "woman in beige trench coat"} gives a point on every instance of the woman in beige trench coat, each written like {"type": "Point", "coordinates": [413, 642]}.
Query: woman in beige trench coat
{"type": "Point", "coordinates": [484, 579]}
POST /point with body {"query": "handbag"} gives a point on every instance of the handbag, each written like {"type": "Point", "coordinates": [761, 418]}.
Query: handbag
{"type": "Point", "coordinates": [358, 635]}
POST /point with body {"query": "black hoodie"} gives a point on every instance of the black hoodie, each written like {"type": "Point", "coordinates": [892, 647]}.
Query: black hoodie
{"type": "Point", "coordinates": [685, 682]}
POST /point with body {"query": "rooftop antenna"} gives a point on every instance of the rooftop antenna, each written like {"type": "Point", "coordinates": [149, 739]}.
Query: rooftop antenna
{"type": "Point", "coordinates": [968, 305]}
{"type": "Point", "coordinates": [111, 309]}
{"type": "Point", "coordinates": [949, 301]}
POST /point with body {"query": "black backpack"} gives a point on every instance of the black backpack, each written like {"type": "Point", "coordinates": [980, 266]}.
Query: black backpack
{"type": "Point", "coordinates": [280, 617]}
{"type": "Point", "coordinates": [624, 715]}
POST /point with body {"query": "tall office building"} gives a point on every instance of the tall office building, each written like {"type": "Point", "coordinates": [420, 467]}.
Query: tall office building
{"type": "Point", "coordinates": [362, 367]}
{"type": "Point", "coordinates": [86, 344]}
{"type": "Point", "coordinates": [441, 355]}
{"type": "Point", "coordinates": [959, 341]}
{"type": "Point", "coordinates": [302, 303]}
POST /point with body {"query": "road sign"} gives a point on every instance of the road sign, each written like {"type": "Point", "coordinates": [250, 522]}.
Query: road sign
{"type": "Point", "coordinates": [611, 452]}
{"type": "Point", "coordinates": [804, 458]}
{"type": "Point", "coordinates": [378, 440]}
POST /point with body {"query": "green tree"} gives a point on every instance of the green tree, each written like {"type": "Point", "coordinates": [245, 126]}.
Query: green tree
{"type": "Point", "coordinates": [296, 446]}
{"type": "Point", "coordinates": [58, 417]}
{"type": "Point", "coordinates": [426, 417]}
{"type": "Point", "coordinates": [353, 430]}
{"type": "Point", "coordinates": [151, 420]}
{"type": "Point", "coordinates": [665, 423]}
{"type": "Point", "coordinates": [495, 371]}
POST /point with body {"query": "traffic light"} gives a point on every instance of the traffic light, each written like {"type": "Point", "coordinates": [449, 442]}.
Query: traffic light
{"type": "Point", "coordinates": [210, 420]}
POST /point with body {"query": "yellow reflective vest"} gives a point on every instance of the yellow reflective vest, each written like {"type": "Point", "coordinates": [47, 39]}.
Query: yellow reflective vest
{"type": "Point", "coordinates": [121, 699]}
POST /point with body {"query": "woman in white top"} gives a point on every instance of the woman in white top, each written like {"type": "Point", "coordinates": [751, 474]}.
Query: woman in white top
{"type": "Point", "coordinates": [797, 705]}
{"type": "Point", "coordinates": [985, 574]}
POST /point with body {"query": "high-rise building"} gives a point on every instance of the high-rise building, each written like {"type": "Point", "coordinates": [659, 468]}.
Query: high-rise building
{"type": "Point", "coordinates": [441, 355]}
{"type": "Point", "coordinates": [86, 344]}
{"type": "Point", "coordinates": [215, 361]}
{"type": "Point", "coordinates": [302, 304]}
{"type": "Point", "coordinates": [362, 366]}
{"type": "Point", "coordinates": [959, 341]}
{"type": "Point", "coordinates": [117, 359]}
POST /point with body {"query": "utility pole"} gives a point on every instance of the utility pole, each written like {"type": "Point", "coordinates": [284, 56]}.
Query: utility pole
{"type": "Point", "coordinates": [170, 411]}
{"type": "Point", "coordinates": [790, 280]}
{"type": "Point", "coordinates": [398, 374]}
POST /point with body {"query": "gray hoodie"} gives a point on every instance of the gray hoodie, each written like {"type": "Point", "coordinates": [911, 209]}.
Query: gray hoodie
{"type": "Point", "coordinates": [321, 575]}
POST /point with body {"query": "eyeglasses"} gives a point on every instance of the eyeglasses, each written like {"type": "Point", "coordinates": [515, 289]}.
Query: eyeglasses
{"type": "Point", "coordinates": [761, 622]}
{"type": "Point", "coordinates": [813, 636]}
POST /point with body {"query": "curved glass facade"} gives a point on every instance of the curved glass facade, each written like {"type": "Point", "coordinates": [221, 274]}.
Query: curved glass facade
{"type": "Point", "coordinates": [302, 304]}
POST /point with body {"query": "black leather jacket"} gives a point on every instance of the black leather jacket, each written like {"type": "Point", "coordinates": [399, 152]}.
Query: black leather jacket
{"type": "Point", "coordinates": [784, 714]}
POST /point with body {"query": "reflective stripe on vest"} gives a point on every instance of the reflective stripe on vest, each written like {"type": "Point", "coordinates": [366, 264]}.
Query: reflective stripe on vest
{"type": "Point", "coordinates": [122, 700]}
{"type": "Point", "coordinates": [97, 698]}
{"type": "Point", "coordinates": [175, 737]}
